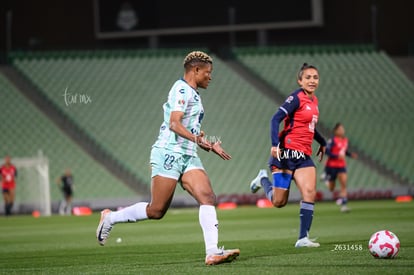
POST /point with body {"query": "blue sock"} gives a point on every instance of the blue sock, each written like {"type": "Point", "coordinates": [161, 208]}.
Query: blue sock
{"type": "Point", "coordinates": [306, 216]}
{"type": "Point", "coordinates": [344, 200]}
{"type": "Point", "coordinates": [267, 187]}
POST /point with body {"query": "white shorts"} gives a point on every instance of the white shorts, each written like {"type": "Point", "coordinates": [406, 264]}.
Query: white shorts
{"type": "Point", "coordinates": [172, 165]}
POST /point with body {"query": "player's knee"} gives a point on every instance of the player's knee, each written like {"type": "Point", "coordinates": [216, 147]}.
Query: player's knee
{"type": "Point", "coordinates": [156, 214]}
{"type": "Point", "coordinates": [208, 199]}
{"type": "Point", "coordinates": [204, 196]}
{"type": "Point", "coordinates": [309, 195]}
{"type": "Point", "coordinates": [279, 203]}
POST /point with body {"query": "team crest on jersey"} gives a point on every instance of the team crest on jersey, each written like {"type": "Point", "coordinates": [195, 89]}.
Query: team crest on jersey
{"type": "Point", "coordinates": [181, 102]}
{"type": "Point", "coordinates": [289, 99]}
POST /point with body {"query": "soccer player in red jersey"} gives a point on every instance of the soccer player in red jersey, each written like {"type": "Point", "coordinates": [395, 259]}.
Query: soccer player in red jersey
{"type": "Point", "coordinates": [335, 167]}
{"type": "Point", "coordinates": [292, 149]}
{"type": "Point", "coordinates": [8, 174]}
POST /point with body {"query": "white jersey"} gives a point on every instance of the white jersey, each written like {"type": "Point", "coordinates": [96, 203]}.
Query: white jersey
{"type": "Point", "coordinates": [183, 98]}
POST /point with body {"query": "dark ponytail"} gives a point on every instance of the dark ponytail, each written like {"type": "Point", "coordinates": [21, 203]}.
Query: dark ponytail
{"type": "Point", "coordinates": [305, 66]}
{"type": "Point", "coordinates": [337, 125]}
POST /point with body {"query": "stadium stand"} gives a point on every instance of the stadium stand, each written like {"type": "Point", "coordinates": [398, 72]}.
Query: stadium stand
{"type": "Point", "coordinates": [127, 94]}
{"type": "Point", "coordinates": [25, 130]}
{"type": "Point", "coordinates": [127, 90]}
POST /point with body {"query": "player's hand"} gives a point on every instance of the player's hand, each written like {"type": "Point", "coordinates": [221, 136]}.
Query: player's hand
{"type": "Point", "coordinates": [276, 152]}
{"type": "Point", "coordinates": [321, 152]}
{"type": "Point", "coordinates": [202, 142]}
{"type": "Point", "coordinates": [216, 147]}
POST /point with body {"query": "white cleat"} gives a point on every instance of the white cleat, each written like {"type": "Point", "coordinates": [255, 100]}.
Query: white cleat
{"type": "Point", "coordinates": [306, 242]}
{"type": "Point", "coordinates": [255, 184]}
{"type": "Point", "coordinates": [224, 256]}
{"type": "Point", "coordinates": [104, 227]}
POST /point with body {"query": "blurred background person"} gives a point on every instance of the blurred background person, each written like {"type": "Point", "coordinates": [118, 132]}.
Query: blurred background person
{"type": "Point", "coordinates": [335, 167]}
{"type": "Point", "coordinates": [8, 174]}
{"type": "Point", "coordinates": [65, 182]}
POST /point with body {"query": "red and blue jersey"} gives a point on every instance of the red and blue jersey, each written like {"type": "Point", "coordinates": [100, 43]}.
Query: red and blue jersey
{"type": "Point", "coordinates": [300, 114]}
{"type": "Point", "coordinates": [336, 151]}
{"type": "Point", "coordinates": [8, 174]}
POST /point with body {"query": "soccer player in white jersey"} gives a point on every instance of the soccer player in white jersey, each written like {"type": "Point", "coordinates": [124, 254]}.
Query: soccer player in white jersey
{"type": "Point", "coordinates": [174, 158]}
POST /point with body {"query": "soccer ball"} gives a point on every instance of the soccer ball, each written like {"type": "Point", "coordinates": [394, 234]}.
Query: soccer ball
{"type": "Point", "coordinates": [384, 244]}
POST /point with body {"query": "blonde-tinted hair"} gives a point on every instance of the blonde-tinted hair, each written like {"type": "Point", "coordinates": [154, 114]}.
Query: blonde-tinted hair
{"type": "Point", "coordinates": [196, 57]}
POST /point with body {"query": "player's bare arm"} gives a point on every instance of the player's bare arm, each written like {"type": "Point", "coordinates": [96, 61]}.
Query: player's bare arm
{"type": "Point", "coordinates": [177, 127]}
{"type": "Point", "coordinates": [216, 147]}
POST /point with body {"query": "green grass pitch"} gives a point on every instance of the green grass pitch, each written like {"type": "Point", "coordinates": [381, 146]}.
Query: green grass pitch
{"type": "Point", "coordinates": [174, 245]}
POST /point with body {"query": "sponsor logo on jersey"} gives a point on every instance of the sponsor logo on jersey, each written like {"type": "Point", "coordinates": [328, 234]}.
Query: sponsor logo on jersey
{"type": "Point", "coordinates": [289, 99]}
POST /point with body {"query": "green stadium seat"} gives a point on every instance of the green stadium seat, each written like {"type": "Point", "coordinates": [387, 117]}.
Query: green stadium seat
{"type": "Point", "coordinates": [128, 89]}
{"type": "Point", "coordinates": [26, 130]}
{"type": "Point", "coordinates": [360, 87]}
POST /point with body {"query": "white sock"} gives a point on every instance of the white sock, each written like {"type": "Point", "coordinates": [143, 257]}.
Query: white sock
{"type": "Point", "coordinates": [133, 213]}
{"type": "Point", "coordinates": [208, 220]}
{"type": "Point", "coordinates": [62, 207]}
{"type": "Point", "coordinates": [69, 209]}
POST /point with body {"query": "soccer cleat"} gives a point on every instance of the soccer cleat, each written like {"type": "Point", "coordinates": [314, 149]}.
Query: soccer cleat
{"type": "Point", "coordinates": [255, 184]}
{"type": "Point", "coordinates": [104, 227]}
{"type": "Point", "coordinates": [306, 242]}
{"type": "Point", "coordinates": [345, 209]}
{"type": "Point", "coordinates": [224, 256]}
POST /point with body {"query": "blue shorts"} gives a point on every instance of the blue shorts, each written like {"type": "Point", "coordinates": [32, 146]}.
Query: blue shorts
{"type": "Point", "coordinates": [291, 160]}
{"type": "Point", "coordinates": [332, 173]}
{"type": "Point", "coordinates": [169, 164]}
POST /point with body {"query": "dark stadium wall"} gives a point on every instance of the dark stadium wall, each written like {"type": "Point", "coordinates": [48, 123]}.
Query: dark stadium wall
{"type": "Point", "coordinates": [69, 24]}
{"type": "Point", "coordinates": [48, 24]}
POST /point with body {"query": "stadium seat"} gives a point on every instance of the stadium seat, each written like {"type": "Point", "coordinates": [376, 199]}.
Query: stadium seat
{"type": "Point", "coordinates": [26, 130]}
{"type": "Point", "coordinates": [128, 89]}
{"type": "Point", "coordinates": [359, 87]}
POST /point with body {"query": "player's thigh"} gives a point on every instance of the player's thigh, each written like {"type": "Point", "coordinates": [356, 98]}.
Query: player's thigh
{"type": "Point", "coordinates": [305, 179]}
{"type": "Point", "coordinates": [342, 177]}
{"type": "Point", "coordinates": [8, 194]}
{"type": "Point", "coordinates": [162, 192]}
{"type": "Point", "coordinates": [330, 174]}
{"type": "Point", "coordinates": [197, 183]}
{"type": "Point", "coordinates": [5, 193]}
{"type": "Point", "coordinates": [280, 195]}
{"type": "Point", "coordinates": [12, 193]}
